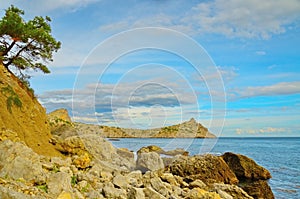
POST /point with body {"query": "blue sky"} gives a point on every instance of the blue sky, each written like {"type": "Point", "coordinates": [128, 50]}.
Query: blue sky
{"type": "Point", "coordinates": [249, 79]}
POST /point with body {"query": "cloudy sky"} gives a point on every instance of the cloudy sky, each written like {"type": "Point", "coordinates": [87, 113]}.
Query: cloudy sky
{"type": "Point", "coordinates": [234, 65]}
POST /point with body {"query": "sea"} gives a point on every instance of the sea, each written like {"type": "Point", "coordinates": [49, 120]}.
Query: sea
{"type": "Point", "coordinates": [281, 156]}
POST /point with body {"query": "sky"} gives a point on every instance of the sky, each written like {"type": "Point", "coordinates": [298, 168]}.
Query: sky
{"type": "Point", "coordinates": [233, 65]}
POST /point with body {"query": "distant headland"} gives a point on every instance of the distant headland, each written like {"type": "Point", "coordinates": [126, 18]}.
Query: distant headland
{"type": "Point", "coordinates": [61, 124]}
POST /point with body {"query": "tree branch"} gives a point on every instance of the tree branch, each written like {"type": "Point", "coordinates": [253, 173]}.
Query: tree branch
{"type": "Point", "coordinates": [17, 55]}
{"type": "Point", "coordinates": [9, 48]}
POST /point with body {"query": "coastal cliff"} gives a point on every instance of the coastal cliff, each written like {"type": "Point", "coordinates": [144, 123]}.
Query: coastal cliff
{"type": "Point", "coordinates": [22, 118]}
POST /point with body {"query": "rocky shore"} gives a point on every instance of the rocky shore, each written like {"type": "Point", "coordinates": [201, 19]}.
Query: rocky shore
{"type": "Point", "coordinates": [93, 168]}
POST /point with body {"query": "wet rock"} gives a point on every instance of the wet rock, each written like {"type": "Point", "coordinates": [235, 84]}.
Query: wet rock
{"type": "Point", "coordinates": [208, 168]}
{"type": "Point", "coordinates": [252, 176]}
{"type": "Point", "coordinates": [258, 189]}
{"type": "Point", "coordinates": [245, 168]}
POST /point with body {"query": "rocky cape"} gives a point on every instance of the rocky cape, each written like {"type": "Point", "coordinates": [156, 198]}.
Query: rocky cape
{"type": "Point", "coordinates": [188, 129]}
{"type": "Point", "coordinates": [50, 157]}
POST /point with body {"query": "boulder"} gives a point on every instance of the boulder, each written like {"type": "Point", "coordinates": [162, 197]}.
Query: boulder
{"type": "Point", "coordinates": [73, 145]}
{"type": "Point", "coordinates": [245, 168]}
{"type": "Point", "coordinates": [252, 176]}
{"type": "Point", "coordinates": [59, 182]}
{"type": "Point", "coordinates": [18, 161]}
{"type": "Point", "coordinates": [258, 189]}
{"type": "Point", "coordinates": [208, 168]}
{"type": "Point", "coordinates": [102, 150]}
{"type": "Point", "coordinates": [92, 147]}
{"type": "Point", "coordinates": [149, 162]}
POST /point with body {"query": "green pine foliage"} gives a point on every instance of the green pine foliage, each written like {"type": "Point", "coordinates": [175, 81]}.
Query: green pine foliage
{"type": "Point", "coordinates": [26, 45]}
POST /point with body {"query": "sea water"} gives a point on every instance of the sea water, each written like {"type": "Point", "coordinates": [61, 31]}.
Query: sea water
{"type": "Point", "coordinates": [279, 155]}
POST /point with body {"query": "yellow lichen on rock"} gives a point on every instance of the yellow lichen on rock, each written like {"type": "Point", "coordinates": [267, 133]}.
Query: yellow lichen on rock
{"type": "Point", "coordinates": [83, 161]}
{"type": "Point", "coordinates": [65, 195]}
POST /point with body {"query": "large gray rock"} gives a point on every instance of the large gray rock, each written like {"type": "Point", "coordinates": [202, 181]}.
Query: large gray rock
{"type": "Point", "coordinates": [102, 150]}
{"type": "Point", "coordinates": [149, 162]}
{"type": "Point", "coordinates": [59, 182]}
{"type": "Point", "coordinates": [18, 161]}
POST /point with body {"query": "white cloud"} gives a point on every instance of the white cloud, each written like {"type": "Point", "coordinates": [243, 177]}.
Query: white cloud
{"type": "Point", "coordinates": [261, 53]}
{"type": "Point", "coordinates": [37, 7]}
{"type": "Point", "coordinates": [233, 18]}
{"type": "Point", "coordinates": [266, 130]}
{"type": "Point", "coordinates": [282, 88]}
{"type": "Point", "coordinates": [247, 19]}
{"type": "Point", "coordinates": [153, 100]}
